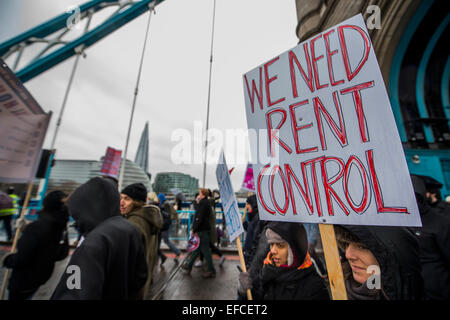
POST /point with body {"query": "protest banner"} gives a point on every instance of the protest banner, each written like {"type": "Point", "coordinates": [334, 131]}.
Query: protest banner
{"type": "Point", "coordinates": [325, 108]}
{"type": "Point", "coordinates": [23, 125]}
{"type": "Point", "coordinates": [111, 162]}
{"type": "Point", "coordinates": [230, 209]}
{"type": "Point", "coordinates": [333, 154]}
{"type": "Point", "coordinates": [249, 181]}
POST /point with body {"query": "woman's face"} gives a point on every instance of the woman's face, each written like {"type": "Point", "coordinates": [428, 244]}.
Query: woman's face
{"type": "Point", "coordinates": [360, 258]}
{"type": "Point", "coordinates": [279, 253]}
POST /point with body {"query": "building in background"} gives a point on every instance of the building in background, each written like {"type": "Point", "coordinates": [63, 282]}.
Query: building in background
{"type": "Point", "coordinates": [165, 181]}
{"type": "Point", "coordinates": [141, 158]}
{"type": "Point", "coordinates": [67, 175]}
{"type": "Point", "coordinates": [411, 44]}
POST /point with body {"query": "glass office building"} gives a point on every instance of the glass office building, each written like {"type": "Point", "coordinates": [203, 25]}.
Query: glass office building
{"type": "Point", "coordinates": [165, 181]}
{"type": "Point", "coordinates": [67, 175]}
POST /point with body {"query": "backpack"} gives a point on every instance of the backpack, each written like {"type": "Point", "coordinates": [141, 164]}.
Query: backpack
{"type": "Point", "coordinates": [173, 213]}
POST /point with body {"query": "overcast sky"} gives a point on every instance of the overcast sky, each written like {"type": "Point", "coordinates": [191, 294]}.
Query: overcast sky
{"type": "Point", "coordinates": [174, 82]}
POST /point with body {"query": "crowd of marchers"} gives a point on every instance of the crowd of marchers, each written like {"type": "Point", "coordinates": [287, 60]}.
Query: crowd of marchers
{"type": "Point", "coordinates": [121, 233]}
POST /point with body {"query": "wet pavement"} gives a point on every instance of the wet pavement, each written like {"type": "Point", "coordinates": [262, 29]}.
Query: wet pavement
{"type": "Point", "coordinates": [180, 286]}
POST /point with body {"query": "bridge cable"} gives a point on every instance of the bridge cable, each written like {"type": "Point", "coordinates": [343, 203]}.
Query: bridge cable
{"type": "Point", "coordinates": [209, 95]}
{"type": "Point", "coordinates": [124, 158]}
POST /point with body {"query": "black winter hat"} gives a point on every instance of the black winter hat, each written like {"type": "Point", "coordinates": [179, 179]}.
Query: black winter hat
{"type": "Point", "coordinates": [136, 191]}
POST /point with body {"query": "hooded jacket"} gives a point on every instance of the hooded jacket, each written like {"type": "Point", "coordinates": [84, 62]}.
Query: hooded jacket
{"type": "Point", "coordinates": [148, 220]}
{"type": "Point", "coordinates": [298, 281]}
{"type": "Point", "coordinates": [38, 248]}
{"type": "Point", "coordinates": [397, 253]}
{"type": "Point", "coordinates": [110, 262]}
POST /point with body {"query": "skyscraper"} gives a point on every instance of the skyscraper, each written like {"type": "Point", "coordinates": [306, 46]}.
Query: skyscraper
{"type": "Point", "coordinates": [142, 152]}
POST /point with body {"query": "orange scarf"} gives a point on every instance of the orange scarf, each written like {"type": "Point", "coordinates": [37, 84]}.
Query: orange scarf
{"type": "Point", "coordinates": [306, 263]}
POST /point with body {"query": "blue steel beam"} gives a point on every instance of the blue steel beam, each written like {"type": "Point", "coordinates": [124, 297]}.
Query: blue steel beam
{"type": "Point", "coordinates": [86, 40]}
{"type": "Point", "coordinates": [49, 27]}
{"type": "Point", "coordinates": [397, 64]}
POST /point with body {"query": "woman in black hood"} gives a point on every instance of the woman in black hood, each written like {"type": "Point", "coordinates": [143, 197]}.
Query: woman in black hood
{"type": "Point", "coordinates": [393, 251]}
{"type": "Point", "coordinates": [287, 273]}
{"type": "Point", "coordinates": [42, 243]}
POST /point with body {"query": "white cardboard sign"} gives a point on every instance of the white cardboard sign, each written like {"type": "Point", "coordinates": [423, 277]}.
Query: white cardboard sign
{"type": "Point", "coordinates": [330, 151]}
{"type": "Point", "coordinates": [229, 203]}
{"type": "Point", "coordinates": [23, 125]}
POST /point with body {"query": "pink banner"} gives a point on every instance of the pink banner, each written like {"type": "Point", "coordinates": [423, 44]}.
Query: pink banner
{"type": "Point", "coordinates": [249, 183]}
{"type": "Point", "coordinates": [111, 162]}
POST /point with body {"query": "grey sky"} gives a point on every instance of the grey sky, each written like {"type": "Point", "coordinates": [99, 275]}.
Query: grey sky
{"type": "Point", "coordinates": [174, 83]}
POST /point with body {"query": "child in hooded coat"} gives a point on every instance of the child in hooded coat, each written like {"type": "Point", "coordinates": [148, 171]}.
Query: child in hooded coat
{"type": "Point", "coordinates": [295, 279]}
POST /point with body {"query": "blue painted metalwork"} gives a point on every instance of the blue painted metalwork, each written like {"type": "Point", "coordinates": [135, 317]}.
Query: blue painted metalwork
{"type": "Point", "coordinates": [444, 88]}
{"type": "Point", "coordinates": [420, 80]}
{"type": "Point", "coordinates": [68, 50]}
{"type": "Point", "coordinates": [433, 163]}
{"type": "Point", "coordinates": [49, 27]}
{"type": "Point", "coordinates": [397, 63]}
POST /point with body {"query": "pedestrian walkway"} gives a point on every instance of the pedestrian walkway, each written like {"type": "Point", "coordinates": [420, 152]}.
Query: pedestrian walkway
{"type": "Point", "coordinates": [180, 286]}
{"type": "Point", "coordinates": [193, 286]}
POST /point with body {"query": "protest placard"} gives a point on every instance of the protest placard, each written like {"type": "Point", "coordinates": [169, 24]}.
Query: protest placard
{"type": "Point", "coordinates": [230, 209]}
{"type": "Point", "coordinates": [249, 181]}
{"type": "Point", "coordinates": [229, 203]}
{"type": "Point", "coordinates": [111, 162]}
{"type": "Point", "coordinates": [23, 125]}
{"type": "Point", "coordinates": [333, 149]}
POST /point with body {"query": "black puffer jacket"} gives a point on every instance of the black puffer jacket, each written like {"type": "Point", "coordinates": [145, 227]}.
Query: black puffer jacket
{"type": "Point", "coordinates": [290, 283]}
{"type": "Point", "coordinates": [111, 259]}
{"type": "Point", "coordinates": [397, 253]}
{"type": "Point", "coordinates": [201, 219]}
{"type": "Point", "coordinates": [39, 246]}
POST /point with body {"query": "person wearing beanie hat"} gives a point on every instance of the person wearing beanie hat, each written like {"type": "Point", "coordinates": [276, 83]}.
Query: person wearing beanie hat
{"type": "Point", "coordinates": [146, 218]}
{"type": "Point", "coordinates": [136, 191]}
{"type": "Point", "coordinates": [287, 273]}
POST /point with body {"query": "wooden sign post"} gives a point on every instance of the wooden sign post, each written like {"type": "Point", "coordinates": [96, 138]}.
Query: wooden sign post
{"type": "Point", "coordinates": [334, 267]}
{"type": "Point", "coordinates": [244, 268]}
{"type": "Point", "coordinates": [230, 209]}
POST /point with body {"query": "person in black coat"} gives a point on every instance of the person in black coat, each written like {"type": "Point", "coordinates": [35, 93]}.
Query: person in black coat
{"type": "Point", "coordinates": [287, 272]}
{"type": "Point", "coordinates": [433, 238]}
{"type": "Point", "coordinates": [110, 261]}
{"type": "Point", "coordinates": [42, 243]}
{"type": "Point", "coordinates": [380, 263]}
{"type": "Point", "coordinates": [202, 228]}
{"type": "Point", "coordinates": [253, 229]}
